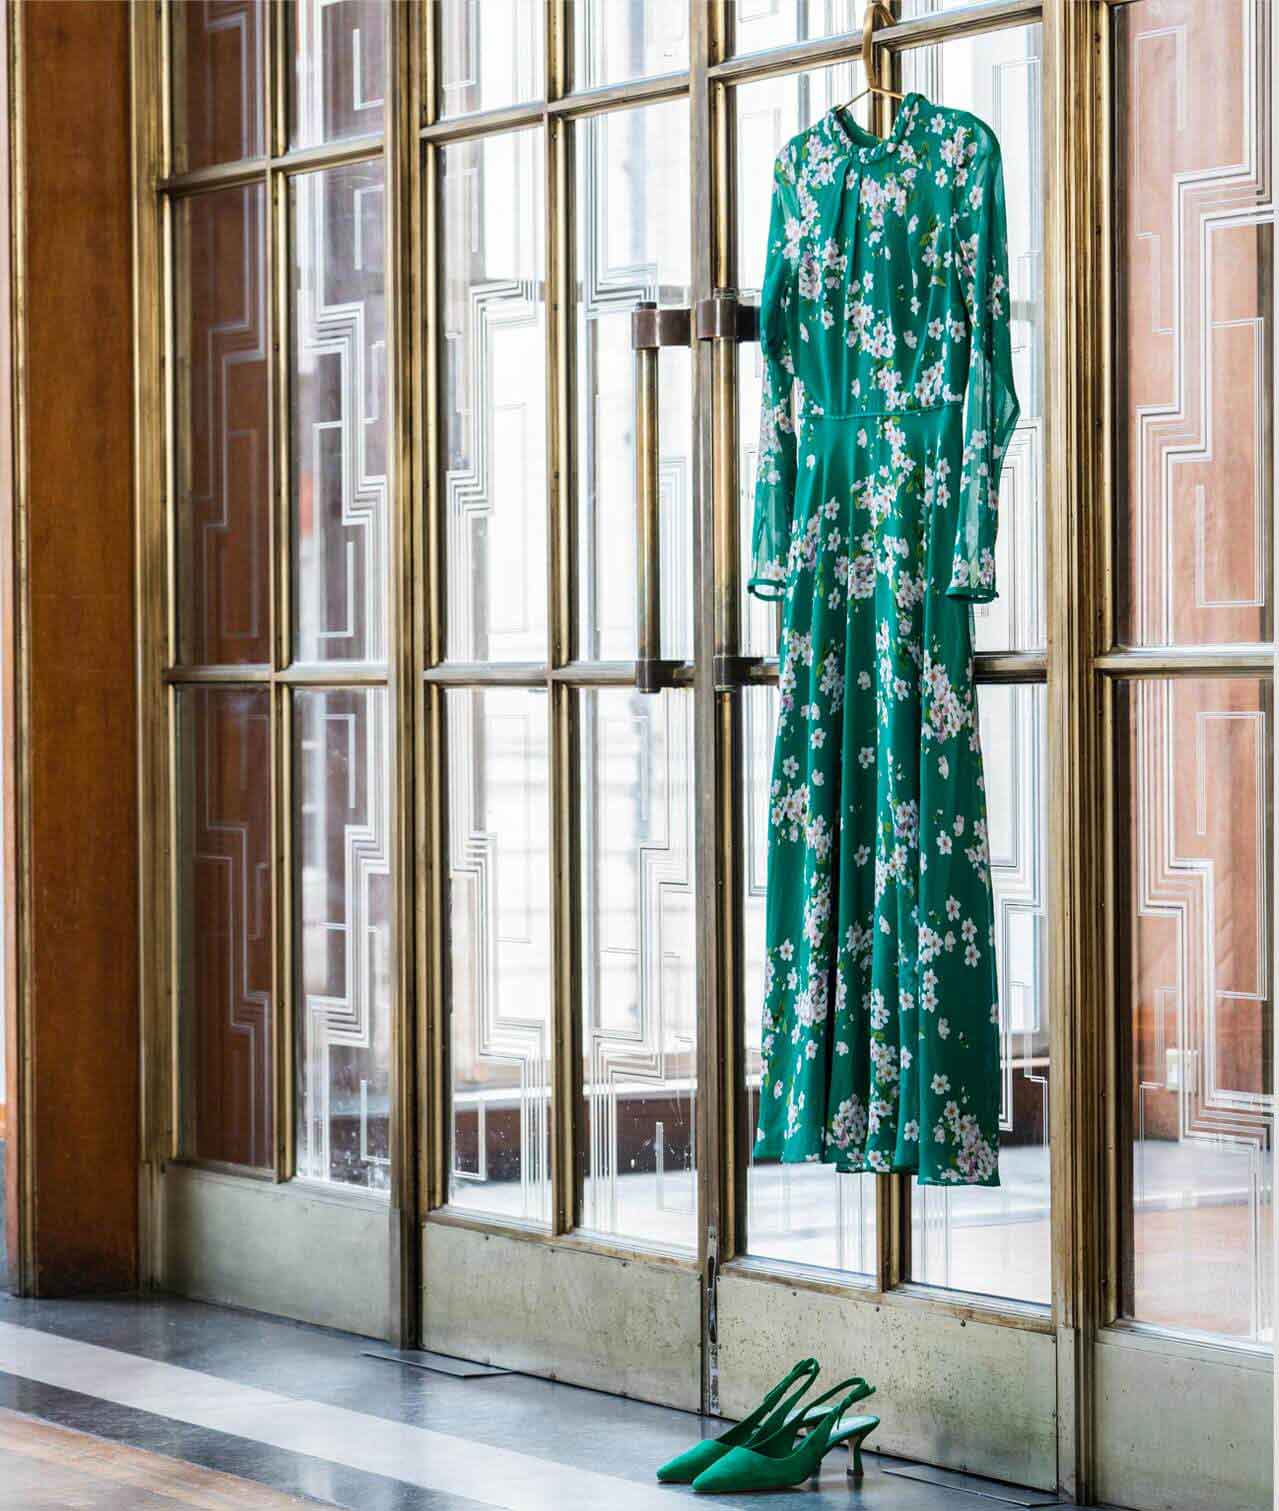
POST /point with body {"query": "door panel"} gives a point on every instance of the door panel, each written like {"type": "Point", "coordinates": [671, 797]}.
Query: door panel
{"type": "Point", "coordinates": [944, 1384]}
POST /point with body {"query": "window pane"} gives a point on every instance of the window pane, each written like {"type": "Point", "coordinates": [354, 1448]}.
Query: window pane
{"type": "Point", "coordinates": [491, 54]}
{"type": "Point", "coordinates": [769, 113]}
{"type": "Point", "coordinates": [339, 62]}
{"type": "Point", "coordinates": [997, 1240]}
{"type": "Point", "coordinates": [620, 39]}
{"type": "Point", "coordinates": [633, 244]}
{"type": "Point", "coordinates": [219, 59]}
{"type": "Point", "coordinates": [343, 901]}
{"type": "Point", "coordinates": [338, 399]}
{"type": "Point", "coordinates": [1194, 834]}
{"type": "Point", "coordinates": [776, 23]}
{"type": "Point", "coordinates": [997, 75]}
{"type": "Point", "coordinates": [224, 924]}
{"type": "Point", "coordinates": [223, 430]}
{"type": "Point", "coordinates": [500, 952]}
{"type": "Point", "coordinates": [639, 1001]}
{"type": "Point", "coordinates": [807, 1214]}
{"type": "Point", "coordinates": [1194, 361]}
{"type": "Point", "coordinates": [495, 387]}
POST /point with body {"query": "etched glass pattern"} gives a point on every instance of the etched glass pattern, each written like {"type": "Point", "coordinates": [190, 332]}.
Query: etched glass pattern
{"type": "Point", "coordinates": [219, 68]}
{"type": "Point", "coordinates": [1195, 355]}
{"type": "Point", "coordinates": [495, 387]}
{"type": "Point", "coordinates": [639, 1005]}
{"type": "Point", "coordinates": [339, 63]}
{"type": "Point", "coordinates": [491, 53]}
{"type": "Point", "coordinates": [225, 922]}
{"type": "Point", "coordinates": [1195, 777]}
{"type": "Point", "coordinates": [338, 404]}
{"type": "Point", "coordinates": [633, 244]}
{"type": "Point", "coordinates": [222, 464]}
{"type": "Point", "coordinates": [807, 1213]}
{"type": "Point", "coordinates": [343, 899]}
{"type": "Point", "coordinates": [499, 952]}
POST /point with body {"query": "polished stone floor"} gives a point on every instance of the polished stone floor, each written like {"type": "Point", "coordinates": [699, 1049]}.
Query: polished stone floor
{"type": "Point", "coordinates": [302, 1411]}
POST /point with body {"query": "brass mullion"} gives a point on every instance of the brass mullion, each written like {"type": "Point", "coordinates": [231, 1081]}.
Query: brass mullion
{"type": "Point", "coordinates": [405, 686]}
{"type": "Point", "coordinates": [1076, 101]}
{"type": "Point", "coordinates": [1166, 662]}
{"type": "Point", "coordinates": [566, 1036]}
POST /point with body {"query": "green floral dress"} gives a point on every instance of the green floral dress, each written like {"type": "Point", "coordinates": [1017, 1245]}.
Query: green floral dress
{"type": "Point", "coordinates": [885, 309]}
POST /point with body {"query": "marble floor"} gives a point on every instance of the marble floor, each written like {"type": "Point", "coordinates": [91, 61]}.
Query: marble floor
{"type": "Point", "coordinates": [291, 1411]}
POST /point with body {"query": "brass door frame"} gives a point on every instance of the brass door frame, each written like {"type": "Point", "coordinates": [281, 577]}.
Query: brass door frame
{"type": "Point", "coordinates": [1079, 669]}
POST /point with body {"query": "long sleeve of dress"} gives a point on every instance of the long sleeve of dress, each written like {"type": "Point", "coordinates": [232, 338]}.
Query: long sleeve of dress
{"type": "Point", "coordinates": [775, 464]}
{"type": "Point", "coordinates": [990, 403]}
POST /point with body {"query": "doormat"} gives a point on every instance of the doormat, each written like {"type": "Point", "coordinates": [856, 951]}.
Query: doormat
{"type": "Point", "coordinates": [971, 1484]}
{"type": "Point", "coordinates": [440, 1364]}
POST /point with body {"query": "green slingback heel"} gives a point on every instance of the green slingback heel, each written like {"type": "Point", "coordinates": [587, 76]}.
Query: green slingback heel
{"type": "Point", "coordinates": [769, 1419]}
{"type": "Point", "coordinates": [775, 1462]}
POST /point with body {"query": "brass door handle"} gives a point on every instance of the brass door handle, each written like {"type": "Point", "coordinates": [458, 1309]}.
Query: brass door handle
{"type": "Point", "coordinates": [651, 329]}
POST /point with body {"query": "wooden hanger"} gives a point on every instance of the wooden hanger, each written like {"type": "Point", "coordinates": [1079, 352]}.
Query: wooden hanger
{"type": "Point", "coordinates": [877, 14]}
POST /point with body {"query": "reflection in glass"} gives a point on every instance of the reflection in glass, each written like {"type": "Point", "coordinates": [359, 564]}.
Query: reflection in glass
{"type": "Point", "coordinates": [639, 1004]}
{"type": "Point", "coordinates": [222, 467]}
{"type": "Point", "coordinates": [769, 112]}
{"type": "Point", "coordinates": [633, 244]}
{"type": "Point", "coordinates": [998, 76]}
{"type": "Point", "coordinates": [219, 63]}
{"type": "Point", "coordinates": [1194, 234]}
{"type": "Point", "coordinates": [224, 925]}
{"type": "Point", "coordinates": [495, 388]}
{"type": "Point", "coordinates": [806, 1214]}
{"type": "Point", "coordinates": [338, 402]}
{"type": "Point", "coordinates": [499, 969]}
{"type": "Point", "coordinates": [339, 60]}
{"type": "Point", "coordinates": [491, 53]}
{"type": "Point", "coordinates": [997, 1241]}
{"type": "Point", "coordinates": [616, 40]}
{"type": "Point", "coordinates": [778, 23]}
{"type": "Point", "coordinates": [1195, 779]}
{"type": "Point", "coordinates": [342, 845]}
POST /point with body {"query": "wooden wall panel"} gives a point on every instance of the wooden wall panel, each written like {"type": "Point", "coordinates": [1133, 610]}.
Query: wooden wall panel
{"type": "Point", "coordinates": [79, 970]}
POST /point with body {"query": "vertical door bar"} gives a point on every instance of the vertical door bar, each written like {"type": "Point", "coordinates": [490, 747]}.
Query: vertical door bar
{"type": "Point", "coordinates": [402, 153]}
{"type": "Point", "coordinates": [566, 1059]}
{"type": "Point", "coordinates": [648, 544]}
{"type": "Point", "coordinates": [1075, 339]}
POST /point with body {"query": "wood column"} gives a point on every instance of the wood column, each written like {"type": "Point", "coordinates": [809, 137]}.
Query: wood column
{"type": "Point", "coordinates": [70, 721]}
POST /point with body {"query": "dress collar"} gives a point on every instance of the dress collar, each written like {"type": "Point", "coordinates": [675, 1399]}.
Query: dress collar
{"type": "Point", "coordinates": [850, 139]}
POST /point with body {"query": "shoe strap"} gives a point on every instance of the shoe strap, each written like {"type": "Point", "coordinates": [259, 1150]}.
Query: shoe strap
{"type": "Point", "coordinates": [857, 1389]}
{"type": "Point", "coordinates": [788, 1392]}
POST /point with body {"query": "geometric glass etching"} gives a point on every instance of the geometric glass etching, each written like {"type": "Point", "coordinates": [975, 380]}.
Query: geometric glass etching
{"type": "Point", "coordinates": [617, 41]}
{"type": "Point", "coordinates": [997, 1241]}
{"type": "Point", "coordinates": [1195, 355]}
{"type": "Point", "coordinates": [344, 964]}
{"type": "Point", "coordinates": [338, 403]}
{"type": "Point", "coordinates": [219, 63]}
{"type": "Point", "coordinates": [1195, 837]}
{"type": "Point", "coordinates": [224, 922]}
{"type": "Point", "coordinates": [632, 244]}
{"type": "Point", "coordinates": [491, 54]}
{"type": "Point", "coordinates": [499, 944]}
{"type": "Point", "coordinates": [805, 1214]}
{"type": "Point", "coordinates": [339, 69]}
{"type": "Point", "coordinates": [494, 329]}
{"type": "Point", "coordinates": [768, 113]}
{"type": "Point", "coordinates": [998, 76]}
{"type": "Point", "coordinates": [637, 951]}
{"type": "Point", "coordinates": [222, 502]}
{"type": "Point", "coordinates": [763, 24]}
